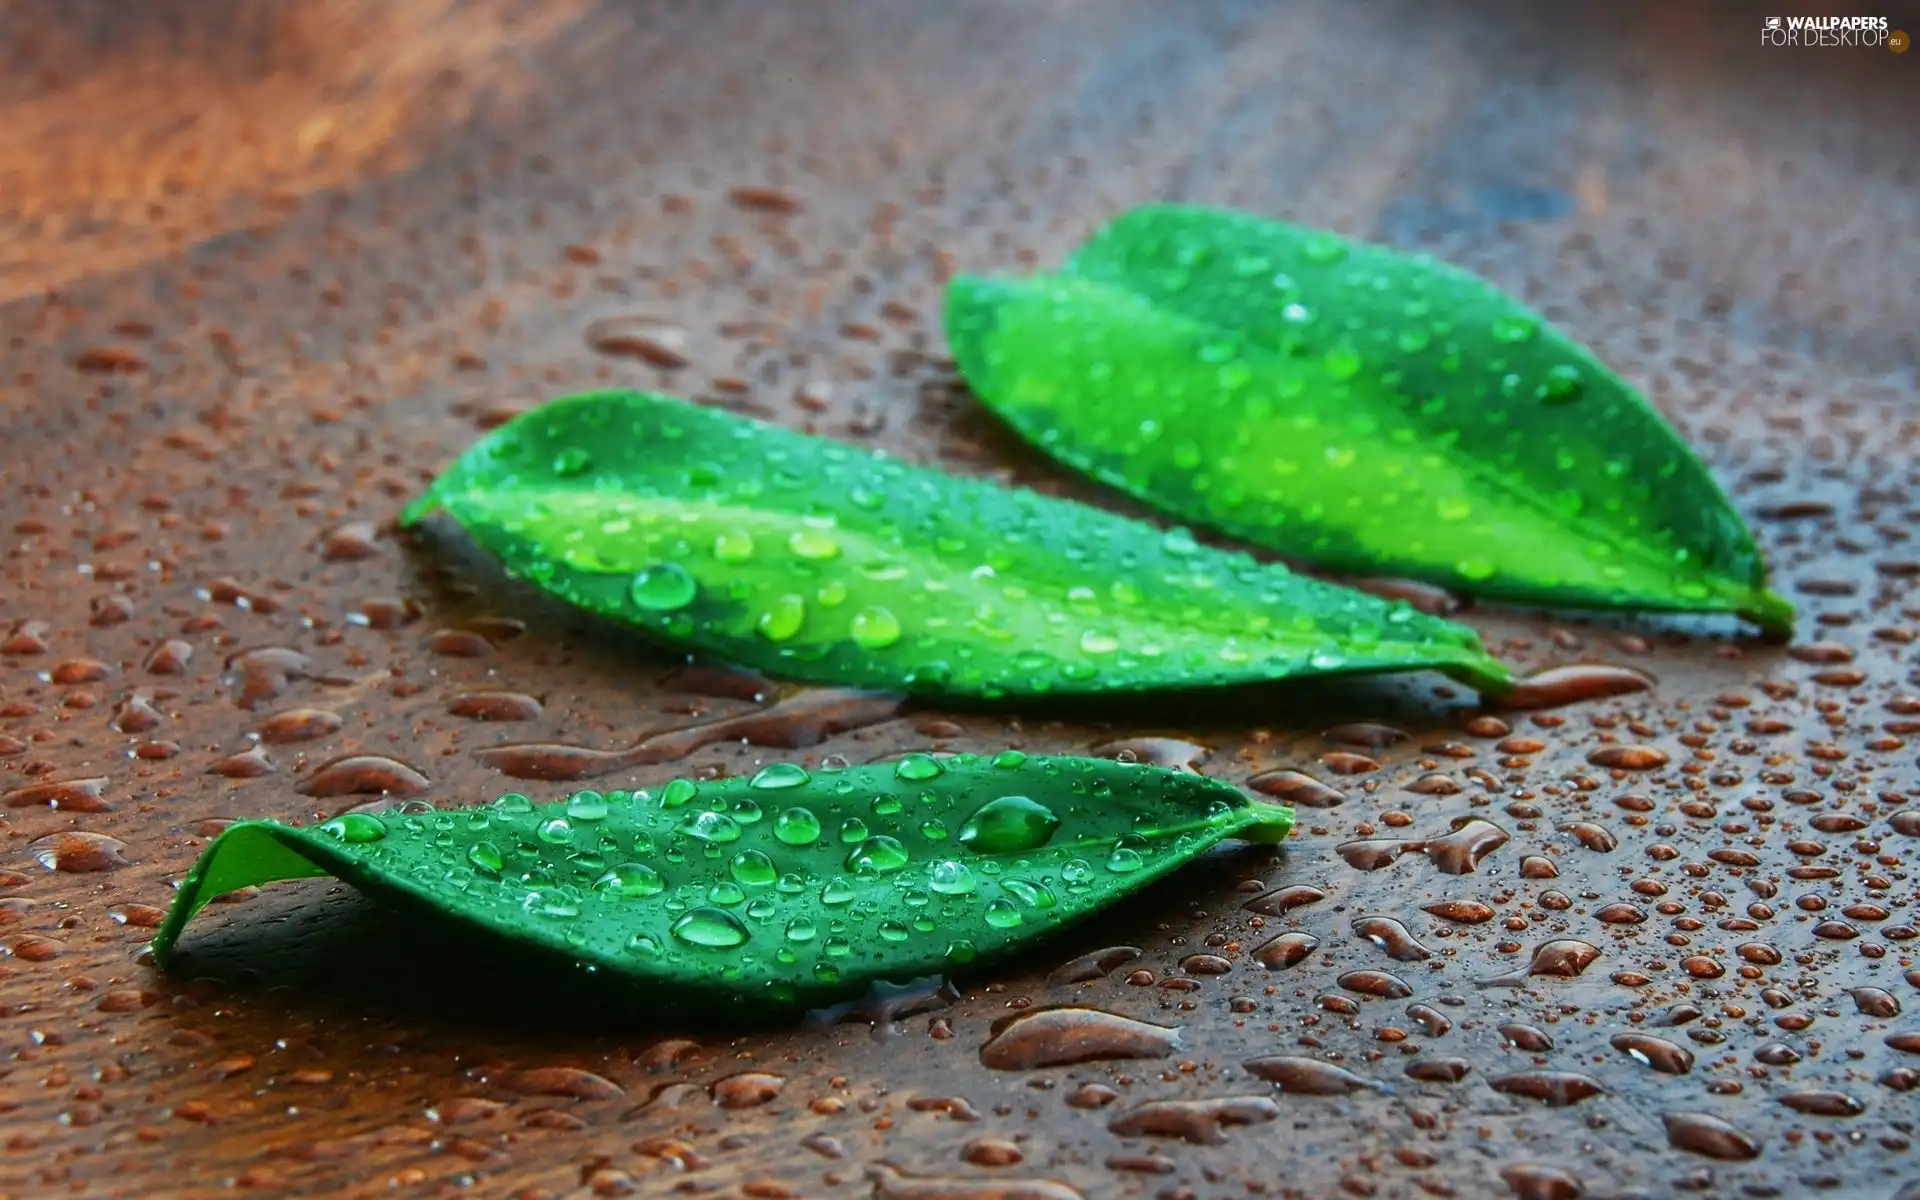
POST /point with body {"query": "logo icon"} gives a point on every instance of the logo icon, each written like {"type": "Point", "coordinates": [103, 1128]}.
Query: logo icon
{"type": "Point", "coordinates": [1898, 41]}
{"type": "Point", "coordinates": [1773, 23]}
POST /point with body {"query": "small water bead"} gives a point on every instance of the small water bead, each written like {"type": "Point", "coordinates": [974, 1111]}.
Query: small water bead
{"type": "Point", "coordinates": [1513, 329]}
{"type": "Point", "coordinates": [852, 830]}
{"type": "Point", "coordinates": [918, 767]}
{"type": "Point", "coordinates": [733, 546]}
{"type": "Point", "coordinates": [797, 827]}
{"type": "Point", "coordinates": [355, 828]}
{"type": "Point", "coordinates": [726, 894]}
{"type": "Point", "coordinates": [555, 831]}
{"type": "Point", "coordinates": [1002, 915]}
{"type": "Point", "coordinates": [1076, 872]}
{"type": "Point", "coordinates": [951, 878]}
{"type": "Point", "coordinates": [643, 944]}
{"type": "Point", "coordinates": [571, 461]}
{"type": "Point", "coordinates": [800, 929]}
{"type": "Point", "coordinates": [1095, 642]}
{"type": "Point", "coordinates": [813, 544]}
{"type": "Point", "coordinates": [837, 892]}
{"type": "Point", "coordinates": [779, 776]}
{"type": "Point", "coordinates": [783, 618]}
{"type": "Point", "coordinates": [893, 931]}
{"type": "Point", "coordinates": [1561, 384]}
{"type": "Point", "coordinates": [630, 880]}
{"type": "Point", "coordinates": [710, 928]}
{"type": "Point", "coordinates": [836, 947]}
{"type": "Point", "coordinates": [1007, 760]}
{"type": "Point", "coordinates": [880, 855]}
{"type": "Point", "coordinates": [486, 856]}
{"type": "Point", "coordinates": [1341, 363]}
{"type": "Point", "coordinates": [1324, 249]}
{"type": "Point", "coordinates": [746, 811]}
{"type": "Point", "coordinates": [678, 792]}
{"type": "Point", "coordinates": [1008, 825]}
{"type": "Point", "coordinates": [885, 805]}
{"type": "Point", "coordinates": [710, 826]}
{"type": "Point", "coordinates": [663, 587]}
{"type": "Point", "coordinates": [934, 830]}
{"type": "Point", "coordinates": [874, 629]}
{"type": "Point", "coordinates": [588, 805]}
{"type": "Point", "coordinates": [792, 883]}
{"type": "Point", "coordinates": [515, 803]}
{"type": "Point", "coordinates": [753, 868]}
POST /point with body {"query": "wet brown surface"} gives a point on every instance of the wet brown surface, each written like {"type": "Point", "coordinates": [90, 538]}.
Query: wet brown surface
{"type": "Point", "coordinates": [265, 273]}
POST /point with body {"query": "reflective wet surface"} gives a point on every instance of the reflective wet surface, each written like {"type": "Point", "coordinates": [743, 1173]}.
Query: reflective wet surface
{"type": "Point", "coordinates": [1647, 928]}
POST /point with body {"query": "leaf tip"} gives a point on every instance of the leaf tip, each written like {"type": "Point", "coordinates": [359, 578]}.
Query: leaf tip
{"type": "Point", "coordinates": [1271, 823]}
{"type": "Point", "coordinates": [1772, 612]}
{"type": "Point", "coordinates": [420, 509]}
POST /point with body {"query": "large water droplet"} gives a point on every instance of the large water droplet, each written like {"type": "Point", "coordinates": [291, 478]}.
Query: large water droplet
{"type": "Point", "coordinates": [710, 826]}
{"type": "Point", "coordinates": [630, 879]}
{"type": "Point", "coordinates": [678, 792]}
{"type": "Point", "coordinates": [753, 868]}
{"type": "Point", "coordinates": [587, 805]}
{"type": "Point", "coordinates": [663, 587]}
{"type": "Point", "coordinates": [778, 776]}
{"type": "Point", "coordinates": [355, 828]}
{"type": "Point", "coordinates": [951, 878]}
{"type": "Point", "coordinates": [918, 767]}
{"type": "Point", "coordinates": [879, 855]}
{"type": "Point", "coordinates": [875, 629]}
{"type": "Point", "coordinates": [797, 827]}
{"type": "Point", "coordinates": [1008, 825]}
{"type": "Point", "coordinates": [712, 928]}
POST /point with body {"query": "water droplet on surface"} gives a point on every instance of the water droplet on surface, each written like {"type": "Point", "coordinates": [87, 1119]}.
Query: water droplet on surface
{"type": "Point", "coordinates": [1202, 1122]}
{"type": "Point", "coordinates": [1308, 1076]}
{"type": "Point", "coordinates": [77, 852]}
{"type": "Point", "coordinates": [1556, 1089]}
{"type": "Point", "coordinates": [1055, 1037]}
{"type": "Point", "coordinates": [1708, 1135]}
{"type": "Point", "coordinates": [1286, 950]}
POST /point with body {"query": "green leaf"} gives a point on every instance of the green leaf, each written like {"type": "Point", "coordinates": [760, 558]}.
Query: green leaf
{"type": "Point", "coordinates": [823, 561]}
{"type": "Point", "coordinates": [1351, 406]}
{"type": "Point", "coordinates": [786, 889]}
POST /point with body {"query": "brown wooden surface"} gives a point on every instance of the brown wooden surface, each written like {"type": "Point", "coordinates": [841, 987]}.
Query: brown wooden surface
{"type": "Point", "coordinates": [264, 267]}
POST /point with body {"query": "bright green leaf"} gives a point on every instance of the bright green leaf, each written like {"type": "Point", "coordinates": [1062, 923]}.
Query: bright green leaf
{"type": "Point", "coordinates": [1348, 405]}
{"type": "Point", "coordinates": [818, 560]}
{"type": "Point", "coordinates": [781, 890]}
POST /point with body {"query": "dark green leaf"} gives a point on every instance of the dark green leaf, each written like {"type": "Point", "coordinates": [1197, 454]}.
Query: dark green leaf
{"type": "Point", "coordinates": [1352, 406]}
{"type": "Point", "coordinates": [822, 561]}
{"type": "Point", "coordinates": [780, 890]}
